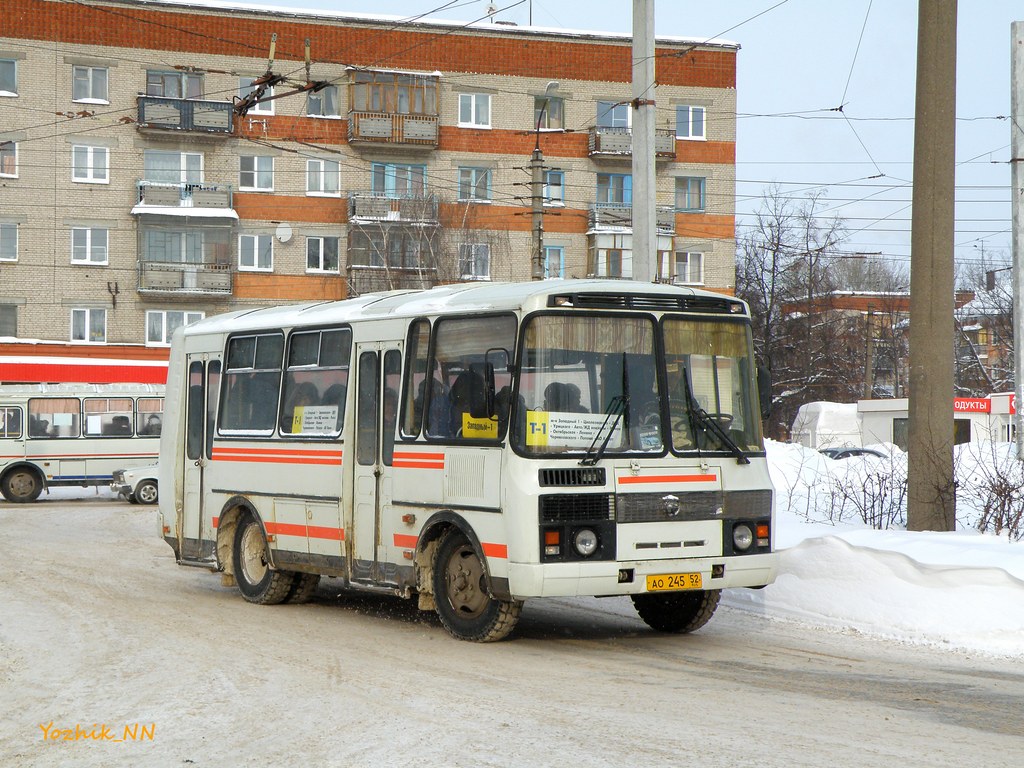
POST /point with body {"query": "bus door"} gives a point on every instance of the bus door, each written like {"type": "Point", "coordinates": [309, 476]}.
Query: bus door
{"type": "Point", "coordinates": [197, 536]}
{"type": "Point", "coordinates": [378, 373]}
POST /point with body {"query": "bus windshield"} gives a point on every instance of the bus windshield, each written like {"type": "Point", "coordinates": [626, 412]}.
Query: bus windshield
{"type": "Point", "coordinates": [591, 383]}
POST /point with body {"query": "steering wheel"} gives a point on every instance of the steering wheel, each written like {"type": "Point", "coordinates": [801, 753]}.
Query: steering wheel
{"type": "Point", "coordinates": [650, 414]}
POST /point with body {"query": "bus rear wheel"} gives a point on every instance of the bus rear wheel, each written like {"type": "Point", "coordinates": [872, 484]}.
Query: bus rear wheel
{"type": "Point", "coordinates": [463, 604]}
{"type": "Point", "coordinates": [21, 485]}
{"type": "Point", "coordinates": [257, 582]}
{"type": "Point", "coordinates": [677, 611]}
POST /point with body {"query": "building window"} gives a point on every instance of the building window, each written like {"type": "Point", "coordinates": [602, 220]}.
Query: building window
{"type": "Point", "coordinates": [396, 247]}
{"type": "Point", "coordinates": [549, 113]}
{"type": "Point", "coordinates": [554, 188]}
{"type": "Point", "coordinates": [689, 122]}
{"type": "Point", "coordinates": [256, 172]}
{"type": "Point", "coordinates": [89, 325]}
{"type": "Point", "coordinates": [395, 180]}
{"type": "Point", "coordinates": [615, 189]}
{"type": "Point", "coordinates": [8, 320]}
{"type": "Point", "coordinates": [89, 84]}
{"type": "Point", "coordinates": [8, 242]}
{"type": "Point", "coordinates": [323, 178]}
{"type": "Point", "coordinates": [9, 159]}
{"type": "Point", "coordinates": [323, 103]}
{"type": "Point", "coordinates": [554, 261]}
{"type": "Point", "coordinates": [690, 193]}
{"type": "Point", "coordinates": [611, 255]}
{"type": "Point", "coordinates": [174, 85]}
{"type": "Point", "coordinates": [689, 268]}
{"type": "Point", "coordinates": [393, 92]}
{"type": "Point", "coordinates": [90, 165]}
{"type": "Point", "coordinates": [475, 110]}
{"type": "Point", "coordinates": [172, 247]}
{"type": "Point", "coordinates": [612, 114]}
{"type": "Point", "coordinates": [256, 253]}
{"type": "Point", "coordinates": [475, 261]}
{"type": "Point", "coordinates": [474, 183]}
{"type": "Point", "coordinates": [173, 167]}
{"type": "Point", "coordinates": [245, 87]}
{"type": "Point", "coordinates": [161, 325]}
{"type": "Point", "coordinates": [8, 77]}
{"type": "Point", "coordinates": [321, 254]}
{"type": "Point", "coordinates": [88, 245]}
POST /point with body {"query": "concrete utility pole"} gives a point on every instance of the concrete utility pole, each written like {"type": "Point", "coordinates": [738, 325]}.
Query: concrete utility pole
{"type": "Point", "coordinates": [1017, 217]}
{"type": "Point", "coordinates": [537, 189]}
{"type": "Point", "coordinates": [930, 490]}
{"type": "Point", "coordinates": [645, 230]}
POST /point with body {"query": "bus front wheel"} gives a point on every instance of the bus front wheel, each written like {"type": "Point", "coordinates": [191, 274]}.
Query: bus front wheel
{"type": "Point", "coordinates": [257, 582]}
{"type": "Point", "coordinates": [463, 604]}
{"type": "Point", "coordinates": [21, 485]}
{"type": "Point", "coordinates": [677, 611]}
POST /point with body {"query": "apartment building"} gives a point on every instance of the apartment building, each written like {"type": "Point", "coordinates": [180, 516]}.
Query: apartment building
{"type": "Point", "coordinates": [162, 161]}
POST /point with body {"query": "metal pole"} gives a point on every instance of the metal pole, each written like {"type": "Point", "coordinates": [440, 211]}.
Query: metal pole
{"type": "Point", "coordinates": [537, 199]}
{"type": "Point", "coordinates": [645, 232]}
{"type": "Point", "coordinates": [1017, 218]}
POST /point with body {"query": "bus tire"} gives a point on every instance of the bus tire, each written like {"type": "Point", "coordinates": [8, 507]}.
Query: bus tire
{"type": "Point", "coordinates": [461, 599]}
{"type": "Point", "coordinates": [303, 588]}
{"type": "Point", "coordinates": [21, 485]}
{"type": "Point", "coordinates": [146, 492]}
{"type": "Point", "coordinates": [677, 611]}
{"type": "Point", "coordinates": [257, 581]}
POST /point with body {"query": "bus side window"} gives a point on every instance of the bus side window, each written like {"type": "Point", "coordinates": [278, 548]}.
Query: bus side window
{"type": "Point", "coordinates": [10, 421]}
{"type": "Point", "coordinates": [415, 384]}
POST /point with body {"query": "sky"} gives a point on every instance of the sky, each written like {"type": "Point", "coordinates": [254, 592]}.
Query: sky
{"type": "Point", "coordinates": [799, 61]}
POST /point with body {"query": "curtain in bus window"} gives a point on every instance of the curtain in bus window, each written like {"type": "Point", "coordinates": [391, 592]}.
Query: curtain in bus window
{"type": "Point", "coordinates": [108, 416]}
{"type": "Point", "coordinates": [315, 383]}
{"type": "Point", "coordinates": [252, 383]}
{"type": "Point", "coordinates": [150, 416]}
{"type": "Point", "coordinates": [54, 417]}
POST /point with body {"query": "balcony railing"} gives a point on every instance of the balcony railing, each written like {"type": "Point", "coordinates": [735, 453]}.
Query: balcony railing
{"type": "Point", "coordinates": [620, 216]}
{"type": "Point", "coordinates": [392, 128]}
{"type": "Point", "coordinates": [177, 277]}
{"type": "Point", "coordinates": [366, 279]}
{"type": "Point", "coordinates": [618, 143]}
{"type": "Point", "coordinates": [166, 195]}
{"type": "Point", "coordinates": [373, 207]}
{"type": "Point", "coordinates": [185, 114]}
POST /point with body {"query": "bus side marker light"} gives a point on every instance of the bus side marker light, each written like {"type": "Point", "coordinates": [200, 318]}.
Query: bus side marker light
{"type": "Point", "coordinates": [762, 535]}
{"type": "Point", "coordinates": [167, 530]}
{"type": "Point", "coordinates": [271, 537]}
{"type": "Point", "coordinates": [552, 542]}
{"type": "Point", "coordinates": [408, 554]}
{"type": "Point", "coordinates": [409, 519]}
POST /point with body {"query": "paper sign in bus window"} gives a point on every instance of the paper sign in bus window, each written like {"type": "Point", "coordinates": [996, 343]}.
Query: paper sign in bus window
{"type": "Point", "coordinates": [571, 430]}
{"type": "Point", "coordinates": [315, 419]}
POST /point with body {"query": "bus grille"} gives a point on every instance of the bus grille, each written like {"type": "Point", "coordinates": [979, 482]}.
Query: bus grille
{"type": "Point", "coordinates": [571, 476]}
{"type": "Point", "coordinates": [576, 507]}
{"type": "Point", "coordinates": [655, 302]}
{"type": "Point", "coordinates": [658, 507]}
{"type": "Point", "coordinates": [748, 504]}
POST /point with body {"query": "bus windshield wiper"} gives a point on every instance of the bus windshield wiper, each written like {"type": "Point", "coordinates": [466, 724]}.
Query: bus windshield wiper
{"type": "Point", "coordinates": [709, 423]}
{"type": "Point", "coordinates": [614, 412]}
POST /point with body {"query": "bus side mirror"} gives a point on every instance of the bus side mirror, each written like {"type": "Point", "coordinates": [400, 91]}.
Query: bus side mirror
{"type": "Point", "coordinates": [764, 390]}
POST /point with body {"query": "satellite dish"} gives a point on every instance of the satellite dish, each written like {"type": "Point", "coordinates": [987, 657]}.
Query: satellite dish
{"type": "Point", "coordinates": [283, 233]}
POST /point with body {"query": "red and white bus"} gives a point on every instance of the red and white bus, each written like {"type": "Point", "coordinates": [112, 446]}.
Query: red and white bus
{"type": "Point", "coordinates": [475, 445]}
{"type": "Point", "coordinates": [74, 434]}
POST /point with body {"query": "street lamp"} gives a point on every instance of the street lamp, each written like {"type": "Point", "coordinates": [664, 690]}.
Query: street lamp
{"type": "Point", "coordinates": [537, 187]}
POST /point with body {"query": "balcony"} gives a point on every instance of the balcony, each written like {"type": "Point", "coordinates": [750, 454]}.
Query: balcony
{"type": "Point", "coordinates": [617, 143]}
{"type": "Point", "coordinates": [198, 200]}
{"type": "Point", "coordinates": [386, 128]}
{"type": "Point", "coordinates": [214, 117]}
{"type": "Point", "coordinates": [176, 277]}
{"type": "Point", "coordinates": [617, 216]}
{"type": "Point", "coordinates": [371, 207]}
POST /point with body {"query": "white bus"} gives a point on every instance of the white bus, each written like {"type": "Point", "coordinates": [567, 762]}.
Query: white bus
{"type": "Point", "coordinates": [475, 445]}
{"type": "Point", "coordinates": [74, 434]}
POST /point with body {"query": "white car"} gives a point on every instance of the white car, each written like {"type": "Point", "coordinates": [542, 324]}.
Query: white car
{"type": "Point", "coordinates": [136, 485]}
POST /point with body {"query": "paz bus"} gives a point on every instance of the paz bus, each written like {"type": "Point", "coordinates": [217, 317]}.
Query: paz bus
{"type": "Point", "coordinates": [474, 446]}
{"type": "Point", "coordinates": [74, 434]}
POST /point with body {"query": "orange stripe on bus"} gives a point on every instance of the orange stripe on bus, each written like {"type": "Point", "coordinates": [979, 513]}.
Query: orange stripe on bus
{"type": "Point", "coordinates": [405, 541]}
{"type": "Point", "coordinates": [279, 460]}
{"type": "Point", "coordinates": [277, 451]}
{"type": "Point", "coordinates": [326, 532]}
{"type": "Point", "coordinates": [286, 529]}
{"type": "Point", "coordinates": [495, 550]}
{"type": "Point", "coordinates": [419, 464]}
{"type": "Point", "coordinates": [669, 479]}
{"type": "Point", "coordinates": [418, 455]}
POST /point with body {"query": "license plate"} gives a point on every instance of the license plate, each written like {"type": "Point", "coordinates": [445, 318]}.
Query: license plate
{"type": "Point", "coordinates": [664, 582]}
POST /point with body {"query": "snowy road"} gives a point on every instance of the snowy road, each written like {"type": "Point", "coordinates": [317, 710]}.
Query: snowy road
{"type": "Point", "coordinates": [99, 628]}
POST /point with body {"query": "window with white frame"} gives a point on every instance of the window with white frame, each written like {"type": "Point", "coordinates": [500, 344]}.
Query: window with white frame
{"type": "Point", "coordinates": [323, 177]}
{"type": "Point", "coordinates": [89, 84]}
{"type": "Point", "coordinates": [689, 268]}
{"type": "Point", "coordinates": [161, 324]}
{"type": "Point", "coordinates": [8, 242]}
{"type": "Point", "coordinates": [256, 172]}
{"type": "Point", "coordinates": [475, 261]}
{"type": "Point", "coordinates": [689, 122]}
{"type": "Point", "coordinates": [474, 184]}
{"type": "Point", "coordinates": [613, 114]}
{"type": "Point", "coordinates": [90, 165]}
{"type": "Point", "coordinates": [245, 87]}
{"type": "Point", "coordinates": [549, 112]}
{"type": "Point", "coordinates": [554, 261]}
{"type": "Point", "coordinates": [89, 325]}
{"type": "Point", "coordinates": [690, 193]}
{"type": "Point", "coordinates": [173, 167]}
{"type": "Point", "coordinates": [321, 254]}
{"type": "Point", "coordinates": [174, 85]}
{"type": "Point", "coordinates": [256, 253]}
{"type": "Point", "coordinates": [554, 188]}
{"type": "Point", "coordinates": [475, 110]}
{"type": "Point", "coordinates": [89, 245]}
{"type": "Point", "coordinates": [9, 159]}
{"type": "Point", "coordinates": [323, 103]}
{"type": "Point", "coordinates": [8, 77]}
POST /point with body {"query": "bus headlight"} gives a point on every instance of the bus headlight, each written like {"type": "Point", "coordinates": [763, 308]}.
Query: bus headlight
{"type": "Point", "coordinates": [742, 537]}
{"type": "Point", "coordinates": [585, 542]}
